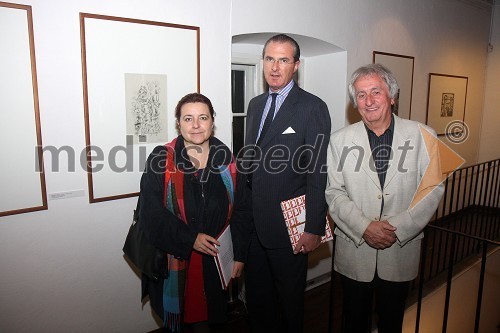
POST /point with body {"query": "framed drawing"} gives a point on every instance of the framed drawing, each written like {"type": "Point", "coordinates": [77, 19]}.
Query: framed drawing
{"type": "Point", "coordinates": [134, 73]}
{"type": "Point", "coordinates": [402, 68]}
{"type": "Point", "coordinates": [21, 172]}
{"type": "Point", "coordinates": [446, 102]}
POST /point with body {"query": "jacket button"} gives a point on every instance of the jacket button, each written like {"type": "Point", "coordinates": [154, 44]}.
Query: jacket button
{"type": "Point", "coordinates": [379, 196]}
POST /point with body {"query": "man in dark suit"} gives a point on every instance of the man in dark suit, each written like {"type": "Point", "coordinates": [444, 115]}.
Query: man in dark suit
{"type": "Point", "coordinates": [288, 129]}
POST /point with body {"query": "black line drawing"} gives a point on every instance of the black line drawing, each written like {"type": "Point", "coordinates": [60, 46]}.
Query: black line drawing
{"type": "Point", "coordinates": [145, 98]}
{"type": "Point", "coordinates": [146, 109]}
{"type": "Point", "coordinates": [447, 102]}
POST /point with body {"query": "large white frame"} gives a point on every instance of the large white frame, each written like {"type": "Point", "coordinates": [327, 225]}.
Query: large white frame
{"type": "Point", "coordinates": [21, 172]}
{"type": "Point", "coordinates": [111, 47]}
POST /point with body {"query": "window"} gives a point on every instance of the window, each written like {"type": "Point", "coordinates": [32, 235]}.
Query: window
{"type": "Point", "coordinates": [243, 89]}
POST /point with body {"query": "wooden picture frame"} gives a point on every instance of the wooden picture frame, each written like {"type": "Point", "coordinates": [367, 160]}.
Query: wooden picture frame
{"type": "Point", "coordinates": [118, 56]}
{"type": "Point", "coordinates": [446, 102]}
{"type": "Point", "coordinates": [402, 66]}
{"type": "Point", "coordinates": [21, 171]}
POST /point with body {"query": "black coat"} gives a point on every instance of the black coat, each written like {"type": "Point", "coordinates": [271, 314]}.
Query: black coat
{"type": "Point", "coordinates": [207, 215]}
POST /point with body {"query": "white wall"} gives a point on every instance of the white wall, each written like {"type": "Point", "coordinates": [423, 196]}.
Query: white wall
{"type": "Point", "coordinates": [489, 147]}
{"type": "Point", "coordinates": [332, 73]}
{"type": "Point", "coordinates": [331, 69]}
{"type": "Point", "coordinates": [62, 269]}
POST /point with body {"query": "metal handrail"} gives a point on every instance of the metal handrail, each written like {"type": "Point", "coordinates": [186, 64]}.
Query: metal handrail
{"type": "Point", "coordinates": [454, 234]}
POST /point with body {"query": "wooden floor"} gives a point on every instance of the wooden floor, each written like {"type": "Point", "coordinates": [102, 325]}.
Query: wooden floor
{"type": "Point", "coordinates": [317, 305]}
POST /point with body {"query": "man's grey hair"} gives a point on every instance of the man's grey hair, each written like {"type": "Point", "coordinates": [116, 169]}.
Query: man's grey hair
{"type": "Point", "coordinates": [373, 69]}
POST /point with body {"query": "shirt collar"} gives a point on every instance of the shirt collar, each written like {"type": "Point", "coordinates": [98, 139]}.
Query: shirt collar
{"type": "Point", "coordinates": [389, 130]}
{"type": "Point", "coordinates": [284, 91]}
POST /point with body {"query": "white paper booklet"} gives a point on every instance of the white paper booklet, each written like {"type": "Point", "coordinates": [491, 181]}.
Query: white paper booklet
{"type": "Point", "coordinates": [225, 258]}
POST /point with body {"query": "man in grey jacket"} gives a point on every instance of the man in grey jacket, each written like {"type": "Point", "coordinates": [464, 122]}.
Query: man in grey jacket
{"type": "Point", "coordinates": [384, 185]}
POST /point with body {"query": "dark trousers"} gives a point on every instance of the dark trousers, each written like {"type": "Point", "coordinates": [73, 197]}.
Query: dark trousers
{"type": "Point", "coordinates": [389, 299]}
{"type": "Point", "coordinates": [275, 281]}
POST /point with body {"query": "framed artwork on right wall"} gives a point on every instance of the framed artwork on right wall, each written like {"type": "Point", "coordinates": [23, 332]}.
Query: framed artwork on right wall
{"type": "Point", "coordinates": [402, 68]}
{"type": "Point", "coordinates": [446, 102]}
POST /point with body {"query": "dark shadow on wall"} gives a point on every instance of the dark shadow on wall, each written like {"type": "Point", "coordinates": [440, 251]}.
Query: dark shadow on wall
{"type": "Point", "coordinates": [352, 114]}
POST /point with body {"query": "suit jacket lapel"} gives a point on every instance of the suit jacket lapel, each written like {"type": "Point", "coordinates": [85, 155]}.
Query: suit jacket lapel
{"type": "Point", "coordinates": [360, 139]}
{"type": "Point", "coordinates": [253, 130]}
{"type": "Point", "coordinates": [282, 118]}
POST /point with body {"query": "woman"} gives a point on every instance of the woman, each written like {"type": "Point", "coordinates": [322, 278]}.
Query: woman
{"type": "Point", "coordinates": [187, 197]}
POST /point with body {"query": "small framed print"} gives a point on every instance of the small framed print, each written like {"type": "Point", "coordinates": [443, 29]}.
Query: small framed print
{"type": "Point", "coordinates": [446, 102]}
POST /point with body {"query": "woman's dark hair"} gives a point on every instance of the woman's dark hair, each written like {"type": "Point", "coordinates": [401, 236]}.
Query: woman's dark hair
{"type": "Point", "coordinates": [282, 38]}
{"type": "Point", "coordinates": [194, 98]}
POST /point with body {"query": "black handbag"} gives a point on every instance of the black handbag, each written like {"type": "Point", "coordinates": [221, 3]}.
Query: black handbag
{"type": "Point", "coordinates": [150, 260]}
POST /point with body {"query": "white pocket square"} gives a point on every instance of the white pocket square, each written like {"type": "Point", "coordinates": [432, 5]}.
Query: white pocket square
{"type": "Point", "coordinates": [289, 130]}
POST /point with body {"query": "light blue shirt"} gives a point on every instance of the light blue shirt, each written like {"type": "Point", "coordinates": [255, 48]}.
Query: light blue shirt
{"type": "Point", "coordinates": [280, 98]}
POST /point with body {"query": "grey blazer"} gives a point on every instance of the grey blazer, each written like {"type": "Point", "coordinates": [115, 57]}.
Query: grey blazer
{"type": "Point", "coordinates": [354, 197]}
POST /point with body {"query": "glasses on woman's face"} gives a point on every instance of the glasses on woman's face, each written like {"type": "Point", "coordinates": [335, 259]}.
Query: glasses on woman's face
{"type": "Point", "coordinates": [280, 61]}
